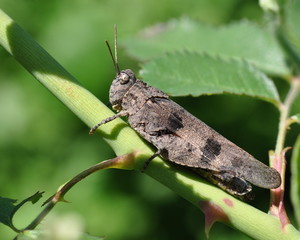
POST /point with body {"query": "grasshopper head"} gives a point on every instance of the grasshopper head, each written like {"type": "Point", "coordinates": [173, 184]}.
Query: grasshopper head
{"type": "Point", "coordinates": [120, 85]}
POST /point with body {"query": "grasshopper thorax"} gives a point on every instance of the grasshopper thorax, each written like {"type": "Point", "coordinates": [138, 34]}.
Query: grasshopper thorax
{"type": "Point", "coordinates": [120, 85]}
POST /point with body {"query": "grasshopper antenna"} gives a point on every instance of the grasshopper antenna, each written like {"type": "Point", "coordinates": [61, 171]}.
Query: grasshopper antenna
{"type": "Point", "coordinates": [116, 47]}
{"type": "Point", "coordinates": [114, 58]}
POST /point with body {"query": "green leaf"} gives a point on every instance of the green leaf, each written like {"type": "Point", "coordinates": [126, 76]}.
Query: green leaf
{"type": "Point", "coordinates": [8, 208]}
{"type": "Point", "coordinates": [239, 40]}
{"type": "Point", "coordinates": [295, 180]}
{"type": "Point", "coordinates": [181, 74]}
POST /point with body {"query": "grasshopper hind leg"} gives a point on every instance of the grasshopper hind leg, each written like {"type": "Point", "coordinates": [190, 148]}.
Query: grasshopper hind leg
{"type": "Point", "coordinates": [235, 186]}
{"type": "Point", "coordinates": [149, 160]}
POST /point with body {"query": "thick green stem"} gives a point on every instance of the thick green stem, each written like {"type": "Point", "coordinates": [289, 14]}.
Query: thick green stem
{"type": "Point", "coordinates": [123, 139]}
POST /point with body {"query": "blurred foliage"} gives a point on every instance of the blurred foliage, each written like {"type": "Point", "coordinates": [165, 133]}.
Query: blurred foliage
{"type": "Point", "coordinates": [292, 29]}
{"type": "Point", "coordinates": [177, 34]}
{"type": "Point", "coordinates": [117, 204]}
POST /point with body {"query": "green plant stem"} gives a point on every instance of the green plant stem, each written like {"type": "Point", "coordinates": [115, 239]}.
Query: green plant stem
{"type": "Point", "coordinates": [277, 159]}
{"type": "Point", "coordinates": [123, 139]}
{"type": "Point", "coordinates": [126, 163]}
{"type": "Point", "coordinates": [284, 121]}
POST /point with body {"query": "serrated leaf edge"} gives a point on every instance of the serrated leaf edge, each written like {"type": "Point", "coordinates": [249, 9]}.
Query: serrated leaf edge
{"type": "Point", "coordinates": [153, 30]}
{"type": "Point", "coordinates": [226, 59]}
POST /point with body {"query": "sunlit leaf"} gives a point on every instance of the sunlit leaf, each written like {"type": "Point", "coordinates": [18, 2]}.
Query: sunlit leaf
{"type": "Point", "coordinates": [181, 74]}
{"type": "Point", "coordinates": [296, 118]}
{"type": "Point", "coordinates": [29, 235]}
{"type": "Point", "coordinates": [269, 5]}
{"type": "Point", "coordinates": [41, 234]}
{"type": "Point", "coordinates": [243, 39]}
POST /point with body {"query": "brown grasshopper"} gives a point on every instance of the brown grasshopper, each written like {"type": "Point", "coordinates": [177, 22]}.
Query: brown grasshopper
{"type": "Point", "coordinates": [182, 139]}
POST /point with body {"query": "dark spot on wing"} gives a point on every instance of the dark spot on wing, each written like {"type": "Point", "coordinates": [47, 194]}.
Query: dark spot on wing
{"type": "Point", "coordinates": [177, 116]}
{"type": "Point", "coordinates": [160, 132]}
{"type": "Point", "coordinates": [236, 162]}
{"type": "Point", "coordinates": [211, 149]}
{"type": "Point", "coordinates": [174, 122]}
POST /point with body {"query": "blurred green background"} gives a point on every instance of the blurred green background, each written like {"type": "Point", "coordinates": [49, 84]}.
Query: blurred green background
{"type": "Point", "coordinates": [42, 144]}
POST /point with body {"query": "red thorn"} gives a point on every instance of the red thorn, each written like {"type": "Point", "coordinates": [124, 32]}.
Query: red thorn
{"type": "Point", "coordinates": [213, 213]}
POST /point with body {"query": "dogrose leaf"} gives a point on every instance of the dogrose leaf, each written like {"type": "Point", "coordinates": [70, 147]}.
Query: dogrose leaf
{"type": "Point", "coordinates": [8, 208]}
{"type": "Point", "coordinates": [185, 73]}
{"type": "Point", "coordinates": [242, 39]}
{"type": "Point", "coordinates": [295, 180]}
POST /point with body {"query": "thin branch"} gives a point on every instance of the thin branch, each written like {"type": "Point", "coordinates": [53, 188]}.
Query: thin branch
{"type": "Point", "coordinates": [122, 162]}
{"type": "Point", "coordinates": [277, 158]}
{"type": "Point", "coordinates": [284, 113]}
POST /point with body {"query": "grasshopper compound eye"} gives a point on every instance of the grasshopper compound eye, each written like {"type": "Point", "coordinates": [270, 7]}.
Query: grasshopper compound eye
{"type": "Point", "coordinates": [124, 78]}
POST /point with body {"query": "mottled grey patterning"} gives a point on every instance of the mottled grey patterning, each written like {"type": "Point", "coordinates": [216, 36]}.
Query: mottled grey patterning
{"type": "Point", "coordinates": [183, 139]}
